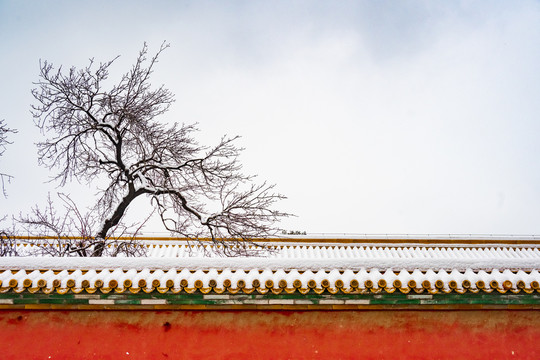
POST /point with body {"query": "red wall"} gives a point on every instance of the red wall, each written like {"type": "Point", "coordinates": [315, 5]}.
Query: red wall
{"type": "Point", "coordinates": [270, 334]}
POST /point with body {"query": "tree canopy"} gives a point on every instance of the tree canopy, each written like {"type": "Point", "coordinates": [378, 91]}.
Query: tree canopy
{"type": "Point", "coordinates": [4, 131]}
{"type": "Point", "coordinates": [94, 132]}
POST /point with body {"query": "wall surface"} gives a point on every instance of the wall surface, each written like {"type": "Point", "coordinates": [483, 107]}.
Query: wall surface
{"type": "Point", "coordinates": [374, 334]}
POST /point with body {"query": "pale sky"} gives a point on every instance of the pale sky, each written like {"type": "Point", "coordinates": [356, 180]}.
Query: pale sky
{"type": "Point", "coordinates": [418, 117]}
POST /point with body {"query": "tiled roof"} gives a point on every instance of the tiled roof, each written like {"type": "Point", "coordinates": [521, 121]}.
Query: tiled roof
{"type": "Point", "coordinates": [288, 256]}
{"type": "Point", "coordinates": [264, 281]}
{"type": "Point", "coordinates": [290, 267]}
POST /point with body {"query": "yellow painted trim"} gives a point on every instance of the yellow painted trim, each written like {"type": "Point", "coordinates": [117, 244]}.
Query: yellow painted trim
{"type": "Point", "coordinates": [263, 290]}
{"type": "Point", "coordinates": [438, 241]}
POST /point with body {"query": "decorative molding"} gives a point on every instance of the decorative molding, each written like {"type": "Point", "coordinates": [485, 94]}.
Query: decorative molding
{"type": "Point", "coordinates": [266, 281]}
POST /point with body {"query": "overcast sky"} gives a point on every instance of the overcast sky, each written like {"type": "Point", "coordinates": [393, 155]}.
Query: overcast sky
{"type": "Point", "coordinates": [370, 116]}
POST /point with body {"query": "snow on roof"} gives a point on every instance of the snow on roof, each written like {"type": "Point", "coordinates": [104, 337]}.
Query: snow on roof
{"type": "Point", "coordinates": [347, 266]}
{"type": "Point", "coordinates": [234, 281]}
{"type": "Point", "coordinates": [284, 255]}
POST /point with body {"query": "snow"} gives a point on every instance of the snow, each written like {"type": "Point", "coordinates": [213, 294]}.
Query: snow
{"type": "Point", "coordinates": [300, 259]}
{"type": "Point", "coordinates": [160, 278]}
{"type": "Point", "coordinates": [300, 263]}
{"type": "Point", "coordinates": [171, 262]}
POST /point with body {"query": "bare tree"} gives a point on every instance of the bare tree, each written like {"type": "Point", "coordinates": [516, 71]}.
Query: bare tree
{"type": "Point", "coordinates": [4, 131]}
{"type": "Point", "coordinates": [199, 192]}
{"type": "Point", "coordinates": [64, 230]}
{"type": "Point", "coordinates": [8, 244]}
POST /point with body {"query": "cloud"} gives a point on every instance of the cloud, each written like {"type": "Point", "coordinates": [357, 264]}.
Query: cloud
{"type": "Point", "coordinates": [413, 117]}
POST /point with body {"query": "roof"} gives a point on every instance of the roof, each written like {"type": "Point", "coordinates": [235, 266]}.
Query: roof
{"type": "Point", "coordinates": [286, 255]}
{"type": "Point", "coordinates": [293, 266]}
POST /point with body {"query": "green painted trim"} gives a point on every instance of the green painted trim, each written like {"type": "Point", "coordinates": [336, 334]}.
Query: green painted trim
{"type": "Point", "coordinates": [12, 298]}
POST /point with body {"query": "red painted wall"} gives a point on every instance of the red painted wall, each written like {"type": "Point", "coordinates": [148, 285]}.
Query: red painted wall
{"type": "Point", "coordinates": [269, 334]}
